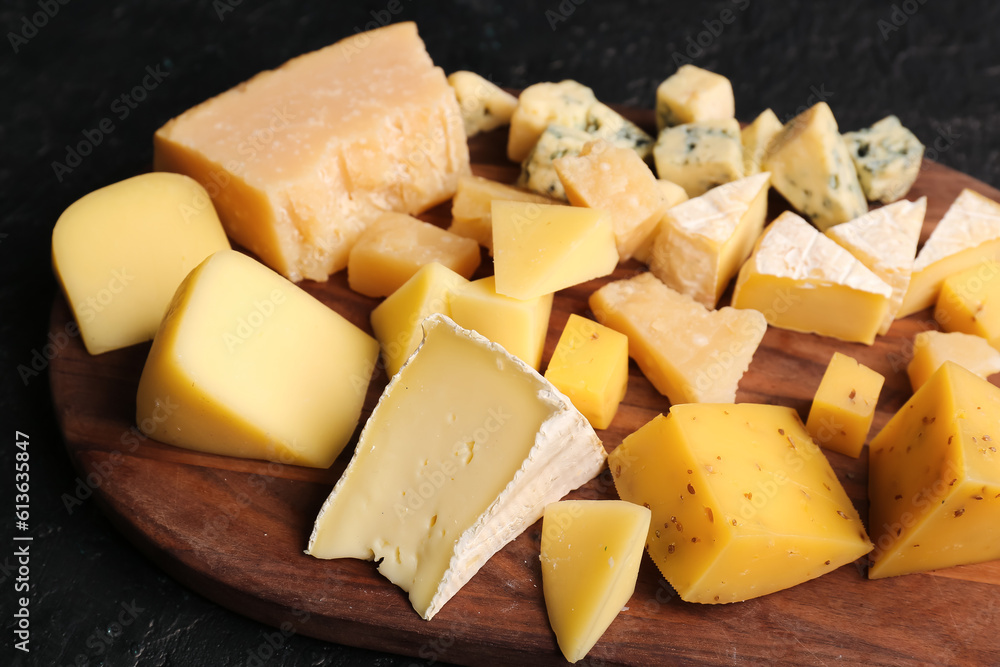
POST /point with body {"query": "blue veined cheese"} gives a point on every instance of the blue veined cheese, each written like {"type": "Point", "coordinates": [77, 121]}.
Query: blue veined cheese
{"type": "Point", "coordinates": [887, 157]}
{"type": "Point", "coordinates": [691, 95]}
{"type": "Point", "coordinates": [605, 123]}
{"type": "Point", "coordinates": [537, 172]}
{"type": "Point", "coordinates": [812, 168]}
{"type": "Point", "coordinates": [699, 156]}
{"type": "Point", "coordinates": [756, 137]}
{"type": "Point", "coordinates": [484, 105]}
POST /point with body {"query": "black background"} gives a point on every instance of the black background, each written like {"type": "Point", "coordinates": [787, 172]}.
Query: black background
{"type": "Point", "coordinates": [934, 64]}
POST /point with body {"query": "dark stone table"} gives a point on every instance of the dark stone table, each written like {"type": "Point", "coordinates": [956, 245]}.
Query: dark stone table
{"type": "Point", "coordinates": [109, 75]}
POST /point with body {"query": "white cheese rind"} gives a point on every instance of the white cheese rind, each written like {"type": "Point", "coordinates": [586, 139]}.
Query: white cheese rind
{"type": "Point", "coordinates": [971, 220]}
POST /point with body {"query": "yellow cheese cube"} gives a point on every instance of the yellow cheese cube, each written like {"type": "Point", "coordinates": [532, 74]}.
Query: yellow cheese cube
{"type": "Point", "coordinates": [471, 208]}
{"type": "Point", "coordinates": [693, 94]}
{"type": "Point", "coordinates": [396, 321]}
{"type": "Point", "coordinates": [744, 503]}
{"type": "Point", "coordinates": [699, 156]}
{"type": "Point", "coordinates": [689, 353]}
{"type": "Point", "coordinates": [517, 325]}
{"type": "Point", "coordinates": [394, 248]}
{"type": "Point", "coordinates": [590, 366]}
{"type": "Point", "coordinates": [590, 553]}
{"type": "Point", "coordinates": [932, 348]}
{"type": "Point", "coordinates": [120, 252]}
{"type": "Point", "coordinates": [485, 106]}
{"type": "Point", "coordinates": [247, 364]}
{"type": "Point", "coordinates": [540, 249]}
{"type": "Point", "coordinates": [616, 180]}
{"type": "Point", "coordinates": [934, 477]}
{"type": "Point", "coordinates": [844, 405]}
{"type": "Point", "coordinates": [673, 195]}
{"type": "Point", "coordinates": [301, 159]}
{"type": "Point", "coordinates": [969, 302]}
{"type": "Point", "coordinates": [756, 137]}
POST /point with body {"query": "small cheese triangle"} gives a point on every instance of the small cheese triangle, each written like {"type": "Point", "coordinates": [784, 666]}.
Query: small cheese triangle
{"type": "Point", "coordinates": [968, 234]}
{"type": "Point", "coordinates": [885, 240]}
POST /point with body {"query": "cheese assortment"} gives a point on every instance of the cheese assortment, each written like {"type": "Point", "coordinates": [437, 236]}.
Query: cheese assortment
{"type": "Point", "coordinates": [700, 155]}
{"type": "Point", "coordinates": [931, 349]}
{"type": "Point", "coordinates": [887, 157]}
{"type": "Point", "coordinates": [970, 302]}
{"type": "Point", "coordinates": [844, 405]}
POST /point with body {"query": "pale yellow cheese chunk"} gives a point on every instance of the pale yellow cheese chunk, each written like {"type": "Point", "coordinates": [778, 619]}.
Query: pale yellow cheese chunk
{"type": "Point", "coordinates": [699, 156]}
{"type": "Point", "coordinates": [932, 348]}
{"type": "Point", "coordinates": [590, 553]}
{"type": "Point", "coordinates": [247, 364]}
{"type": "Point", "coordinates": [673, 195]}
{"type": "Point", "coordinates": [120, 252]}
{"type": "Point", "coordinates": [693, 94]}
{"type": "Point", "coordinates": [394, 248]}
{"type": "Point", "coordinates": [299, 160]}
{"type": "Point", "coordinates": [485, 106]}
{"type": "Point", "coordinates": [844, 405]}
{"type": "Point", "coordinates": [471, 208]}
{"type": "Point", "coordinates": [756, 137]}
{"type": "Point", "coordinates": [969, 302]}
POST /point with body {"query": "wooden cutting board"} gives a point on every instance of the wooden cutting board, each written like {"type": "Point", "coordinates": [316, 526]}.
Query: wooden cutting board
{"type": "Point", "coordinates": [235, 530]}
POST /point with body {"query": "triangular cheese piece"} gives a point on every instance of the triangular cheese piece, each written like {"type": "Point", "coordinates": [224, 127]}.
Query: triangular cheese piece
{"type": "Point", "coordinates": [968, 234]}
{"type": "Point", "coordinates": [885, 240]}
{"type": "Point", "coordinates": [702, 242]}
{"type": "Point", "coordinates": [463, 451]}
{"type": "Point", "coordinates": [803, 281]}
{"type": "Point", "coordinates": [590, 554]}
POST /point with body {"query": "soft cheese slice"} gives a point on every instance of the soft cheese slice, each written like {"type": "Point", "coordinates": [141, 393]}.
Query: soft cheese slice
{"type": "Point", "coordinates": [932, 348]}
{"type": "Point", "coordinates": [590, 553]}
{"type": "Point", "coordinates": [885, 240]}
{"type": "Point", "coordinates": [689, 353]}
{"type": "Point", "coordinates": [300, 159]}
{"type": "Point", "coordinates": [485, 106]}
{"type": "Point", "coordinates": [471, 208]}
{"type": "Point", "coordinates": [463, 451]}
{"type": "Point", "coordinates": [756, 137]}
{"type": "Point", "coordinates": [803, 281]}
{"type": "Point", "coordinates": [702, 242]}
{"type": "Point", "coordinates": [968, 234]}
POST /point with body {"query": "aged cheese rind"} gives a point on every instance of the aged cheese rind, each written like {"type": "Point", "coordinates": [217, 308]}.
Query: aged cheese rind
{"type": "Point", "coordinates": [465, 448]}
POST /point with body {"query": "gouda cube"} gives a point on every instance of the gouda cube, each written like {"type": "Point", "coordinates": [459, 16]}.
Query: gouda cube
{"type": "Point", "coordinates": [969, 302]}
{"type": "Point", "coordinates": [120, 253]}
{"type": "Point", "coordinates": [471, 208]}
{"type": "Point", "coordinates": [844, 405]}
{"type": "Point", "coordinates": [932, 348]}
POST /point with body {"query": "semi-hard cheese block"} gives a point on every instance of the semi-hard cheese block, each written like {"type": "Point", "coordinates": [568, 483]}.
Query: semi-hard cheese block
{"type": "Point", "coordinates": [299, 160]}
{"type": "Point", "coordinates": [967, 235]}
{"type": "Point", "coordinates": [885, 240]}
{"type": "Point", "coordinates": [887, 157]}
{"type": "Point", "coordinates": [699, 156]}
{"type": "Point", "coordinates": [692, 94]}
{"type": "Point", "coordinates": [519, 325]}
{"type": "Point", "coordinates": [396, 322]}
{"type": "Point", "coordinates": [744, 503]}
{"type": "Point", "coordinates": [247, 364]}
{"type": "Point", "coordinates": [702, 242]}
{"type": "Point", "coordinates": [539, 249]}
{"type": "Point", "coordinates": [537, 171]}
{"type": "Point", "coordinates": [672, 195]}
{"type": "Point", "coordinates": [844, 405]}
{"type": "Point", "coordinates": [932, 348]}
{"type": "Point", "coordinates": [120, 252]}
{"type": "Point", "coordinates": [756, 137]}
{"type": "Point", "coordinates": [969, 302]}
{"type": "Point", "coordinates": [934, 477]}
{"type": "Point", "coordinates": [615, 180]}
{"type": "Point", "coordinates": [590, 554]}
{"type": "Point", "coordinates": [811, 167]}
{"type": "Point", "coordinates": [464, 450]}
{"type": "Point", "coordinates": [590, 366]}
{"type": "Point", "coordinates": [485, 106]}
{"type": "Point", "coordinates": [472, 207]}
{"type": "Point", "coordinates": [396, 245]}
{"type": "Point", "coordinates": [803, 281]}
{"type": "Point", "coordinates": [689, 353]}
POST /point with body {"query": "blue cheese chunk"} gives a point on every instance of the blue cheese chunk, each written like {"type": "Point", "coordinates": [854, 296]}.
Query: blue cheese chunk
{"type": "Point", "coordinates": [537, 172]}
{"type": "Point", "coordinates": [692, 95]}
{"type": "Point", "coordinates": [484, 105]}
{"type": "Point", "coordinates": [887, 157]}
{"type": "Point", "coordinates": [603, 122]}
{"type": "Point", "coordinates": [565, 103]}
{"type": "Point", "coordinates": [699, 156]}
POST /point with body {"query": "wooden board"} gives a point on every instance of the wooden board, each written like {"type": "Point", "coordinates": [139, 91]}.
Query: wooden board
{"type": "Point", "coordinates": [234, 530]}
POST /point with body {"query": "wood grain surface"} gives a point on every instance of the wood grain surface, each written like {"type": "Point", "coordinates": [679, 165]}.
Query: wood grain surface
{"type": "Point", "coordinates": [234, 530]}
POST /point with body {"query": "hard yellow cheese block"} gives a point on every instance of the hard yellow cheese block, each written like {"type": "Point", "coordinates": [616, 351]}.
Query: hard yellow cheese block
{"type": "Point", "coordinates": [590, 366]}
{"type": "Point", "coordinates": [539, 249]}
{"type": "Point", "coordinates": [693, 94]}
{"type": "Point", "coordinates": [247, 364]}
{"type": "Point", "coordinates": [120, 252]}
{"type": "Point", "coordinates": [590, 553]}
{"type": "Point", "coordinates": [689, 353]}
{"type": "Point", "coordinates": [394, 248]}
{"type": "Point", "coordinates": [969, 302]}
{"type": "Point", "coordinates": [844, 405]}
{"type": "Point", "coordinates": [616, 180]}
{"type": "Point", "coordinates": [396, 322]}
{"type": "Point", "coordinates": [756, 137]}
{"type": "Point", "coordinates": [967, 235]}
{"type": "Point", "coordinates": [672, 195]}
{"type": "Point", "coordinates": [471, 208]}
{"type": "Point", "coordinates": [519, 325]}
{"type": "Point", "coordinates": [803, 281]}
{"type": "Point", "coordinates": [464, 450]}
{"type": "Point", "coordinates": [744, 503]}
{"type": "Point", "coordinates": [932, 348]}
{"type": "Point", "coordinates": [934, 477]}
{"type": "Point", "coordinates": [703, 242]}
{"type": "Point", "coordinates": [299, 160]}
